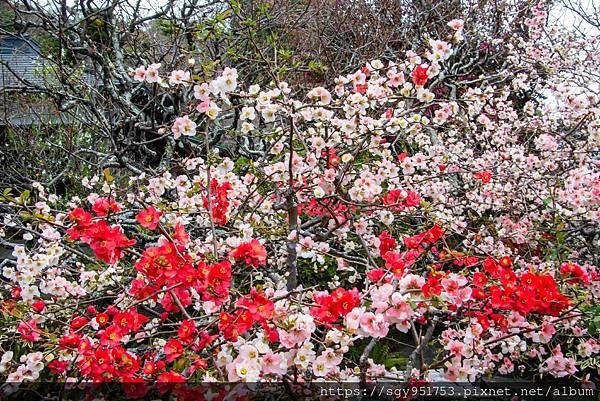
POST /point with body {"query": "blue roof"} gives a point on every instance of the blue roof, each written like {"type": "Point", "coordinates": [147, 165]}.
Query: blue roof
{"type": "Point", "coordinates": [20, 60]}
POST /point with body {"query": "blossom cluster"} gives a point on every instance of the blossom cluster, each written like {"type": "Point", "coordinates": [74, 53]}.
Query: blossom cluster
{"type": "Point", "coordinates": [378, 210]}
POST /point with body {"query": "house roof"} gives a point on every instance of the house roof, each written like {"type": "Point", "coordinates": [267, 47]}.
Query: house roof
{"type": "Point", "coordinates": [20, 61]}
{"type": "Point", "coordinates": [20, 73]}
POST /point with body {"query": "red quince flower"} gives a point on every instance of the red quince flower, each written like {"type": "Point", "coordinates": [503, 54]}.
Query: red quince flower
{"type": "Point", "coordinates": [102, 319]}
{"type": "Point", "coordinates": [29, 331]}
{"type": "Point", "coordinates": [168, 381]}
{"type": "Point", "coordinates": [395, 263]}
{"type": "Point", "coordinates": [505, 261]}
{"type": "Point", "coordinates": [234, 326]}
{"type": "Point", "coordinates": [575, 271]}
{"type": "Point", "coordinates": [386, 243]}
{"type": "Point", "coordinates": [149, 217]}
{"type": "Point", "coordinates": [220, 203]}
{"type": "Point", "coordinates": [253, 253]}
{"type": "Point", "coordinates": [103, 206]}
{"type": "Point", "coordinates": [361, 88]}
{"type": "Point", "coordinates": [335, 305]}
{"type": "Point", "coordinates": [71, 340]}
{"type": "Point", "coordinates": [419, 75]}
{"type": "Point", "coordinates": [398, 200]}
{"type": "Point", "coordinates": [483, 176]}
{"type": "Point", "coordinates": [187, 331]}
{"type": "Point", "coordinates": [173, 349]}
{"type": "Point", "coordinates": [78, 322]}
{"type": "Point", "coordinates": [111, 336]}
{"type": "Point", "coordinates": [38, 306]}
{"type": "Point", "coordinates": [58, 367]}
{"type": "Point", "coordinates": [433, 285]}
{"type": "Point", "coordinates": [106, 241]}
{"type": "Point", "coordinates": [479, 279]}
{"type": "Point", "coordinates": [375, 275]}
{"type": "Point", "coordinates": [180, 235]}
{"type": "Point", "coordinates": [257, 304]}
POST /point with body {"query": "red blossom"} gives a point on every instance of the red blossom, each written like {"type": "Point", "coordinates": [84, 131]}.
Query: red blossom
{"type": "Point", "coordinates": [252, 253]}
{"type": "Point", "coordinates": [375, 275]}
{"type": "Point", "coordinates": [38, 306]}
{"type": "Point", "coordinates": [82, 220]}
{"type": "Point", "coordinates": [102, 319]}
{"type": "Point", "coordinates": [173, 349]}
{"type": "Point", "coordinates": [333, 160]}
{"type": "Point", "coordinates": [107, 242]}
{"type": "Point", "coordinates": [395, 263]}
{"type": "Point", "coordinates": [272, 334]}
{"type": "Point", "coordinates": [389, 112]}
{"type": "Point", "coordinates": [528, 293]}
{"type": "Point", "coordinates": [180, 235]}
{"type": "Point", "coordinates": [335, 305]}
{"type": "Point", "coordinates": [215, 281]}
{"type": "Point", "coordinates": [574, 270]}
{"type": "Point", "coordinates": [163, 264]}
{"type": "Point", "coordinates": [205, 340]}
{"type": "Point", "coordinates": [149, 217]}
{"type": "Point", "coordinates": [479, 279]}
{"type": "Point", "coordinates": [58, 367]}
{"type": "Point", "coordinates": [399, 200]}
{"type": "Point", "coordinates": [257, 304]}
{"type": "Point", "coordinates": [433, 234]}
{"type": "Point", "coordinates": [490, 266]}
{"type": "Point", "coordinates": [187, 331]}
{"type": "Point", "coordinates": [78, 322]}
{"type": "Point", "coordinates": [233, 326]}
{"type": "Point", "coordinates": [111, 336]}
{"type": "Point", "coordinates": [386, 243]}
{"type": "Point", "coordinates": [29, 331]}
{"type": "Point", "coordinates": [168, 381]}
{"type": "Point", "coordinates": [361, 88]}
{"type": "Point", "coordinates": [80, 217]}
{"type": "Point", "coordinates": [129, 320]}
{"type": "Point", "coordinates": [505, 261]}
{"type": "Point", "coordinates": [419, 75]}
{"type": "Point", "coordinates": [483, 176]}
{"type": "Point", "coordinates": [219, 201]}
{"type": "Point", "coordinates": [70, 341]}
{"type": "Point", "coordinates": [433, 285]}
{"type": "Point", "coordinates": [324, 207]}
{"type": "Point", "coordinates": [103, 206]}
{"type": "Point", "coordinates": [135, 388]}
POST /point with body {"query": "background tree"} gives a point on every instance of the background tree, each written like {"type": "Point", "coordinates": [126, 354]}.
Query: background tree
{"type": "Point", "coordinates": [89, 49]}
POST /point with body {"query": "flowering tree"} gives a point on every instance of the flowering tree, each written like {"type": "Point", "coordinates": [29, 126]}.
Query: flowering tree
{"type": "Point", "coordinates": [110, 120]}
{"type": "Point", "coordinates": [405, 204]}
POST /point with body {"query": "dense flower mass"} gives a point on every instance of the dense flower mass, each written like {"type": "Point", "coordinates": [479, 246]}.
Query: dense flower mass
{"type": "Point", "coordinates": [251, 253]}
{"type": "Point", "coordinates": [335, 305]}
{"type": "Point", "coordinates": [386, 209]}
{"type": "Point", "coordinates": [107, 242]}
{"type": "Point", "coordinates": [218, 201]}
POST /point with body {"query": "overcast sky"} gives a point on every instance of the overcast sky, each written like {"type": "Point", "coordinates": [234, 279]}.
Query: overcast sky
{"type": "Point", "coordinates": [570, 19]}
{"type": "Point", "coordinates": [559, 13]}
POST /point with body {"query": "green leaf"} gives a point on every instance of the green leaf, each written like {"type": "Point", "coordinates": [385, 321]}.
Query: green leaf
{"type": "Point", "coordinates": [107, 176]}
{"type": "Point", "coordinates": [395, 361]}
{"type": "Point", "coordinates": [25, 195]}
{"type": "Point", "coordinates": [316, 66]}
{"type": "Point", "coordinates": [7, 195]}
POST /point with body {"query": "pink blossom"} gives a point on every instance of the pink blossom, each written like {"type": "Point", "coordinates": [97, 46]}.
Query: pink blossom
{"type": "Point", "coordinates": [375, 325]}
{"type": "Point", "coordinates": [183, 126]}
{"type": "Point", "coordinates": [140, 74]}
